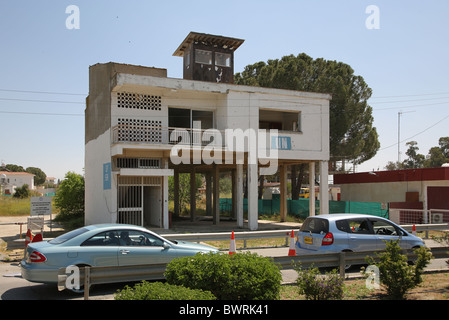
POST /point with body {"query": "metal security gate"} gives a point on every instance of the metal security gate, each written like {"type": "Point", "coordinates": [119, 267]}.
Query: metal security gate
{"type": "Point", "coordinates": [131, 198]}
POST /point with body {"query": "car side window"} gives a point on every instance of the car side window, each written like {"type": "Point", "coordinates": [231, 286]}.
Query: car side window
{"type": "Point", "coordinates": [108, 238]}
{"type": "Point", "coordinates": [138, 238]}
{"type": "Point", "coordinates": [342, 225]}
{"type": "Point", "coordinates": [385, 228]}
{"type": "Point", "coordinates": [359, 226]}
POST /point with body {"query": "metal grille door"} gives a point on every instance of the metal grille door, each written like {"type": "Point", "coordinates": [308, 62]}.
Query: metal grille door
{"type": "Point", "coordinates": [130, 198]}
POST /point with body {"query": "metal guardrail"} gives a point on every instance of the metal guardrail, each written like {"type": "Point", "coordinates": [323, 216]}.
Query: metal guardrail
{"type": "Point", "coordinates": [103, 275]}
{"type": "Point", "coordinates": [426, 228]}
{"type": "Point", "coordinates": [199, 237]}
{"type": "Point", "coordinates": [244, 235]}
{"type": "Point", "coordinates": [342, 259]}
{"type": "Point", "coordinates": [89, 276]}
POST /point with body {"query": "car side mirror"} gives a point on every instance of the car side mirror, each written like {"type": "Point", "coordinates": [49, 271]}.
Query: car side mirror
{"type": "Point", "coordinates": [166, 246]}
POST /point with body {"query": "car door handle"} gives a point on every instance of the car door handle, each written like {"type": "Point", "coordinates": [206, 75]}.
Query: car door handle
{"type": "Point", "coordinates": [124, 251]}
{"type": "Point", "coordinates": [353, 238]}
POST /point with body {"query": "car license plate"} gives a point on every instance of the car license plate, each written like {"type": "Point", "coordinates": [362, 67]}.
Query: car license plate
{"type": "Point", "coordinates": [308, 240]}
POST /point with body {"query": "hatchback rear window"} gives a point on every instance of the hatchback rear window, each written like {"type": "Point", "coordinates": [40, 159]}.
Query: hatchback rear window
{"type": "Point", "coordinates": [315, 225]}
{"type": "Point", "coordinates": [67, 236]}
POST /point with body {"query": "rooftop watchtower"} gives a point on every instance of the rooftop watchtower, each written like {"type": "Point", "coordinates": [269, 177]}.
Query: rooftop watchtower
{"type": "Point", "coordinates": [208, 57]}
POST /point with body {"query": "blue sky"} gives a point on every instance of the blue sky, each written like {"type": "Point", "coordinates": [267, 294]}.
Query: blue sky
{"type": "Point", "coordinates": [44, 66]}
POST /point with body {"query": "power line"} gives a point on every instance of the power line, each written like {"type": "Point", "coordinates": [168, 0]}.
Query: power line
{"type": "Point", "coordinates": [45, 101]}
{"type": "Point", "coordinates": [45, 92]}
{"type": "Point", "coordinates": [413, 106]}
{"type": "Point", "coordinates": [401, 101]}
{"type": "Point", "coordinates": [44, 113]}
{"type": "Point", "coordinates": [410, 95]}
{"type": "Point", "coordinates": [421, 132]}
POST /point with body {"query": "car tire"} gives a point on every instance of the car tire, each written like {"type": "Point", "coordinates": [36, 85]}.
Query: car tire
{"type": "Point", "coordinates": [81, 289]}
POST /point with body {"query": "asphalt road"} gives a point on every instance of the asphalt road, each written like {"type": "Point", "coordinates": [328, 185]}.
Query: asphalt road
{"type": "Point", "coordinates": [13, 287]}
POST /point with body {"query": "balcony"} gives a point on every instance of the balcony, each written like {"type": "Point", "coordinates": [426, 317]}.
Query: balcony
{"type": "Point", "coordinates": [287, 143]}
{"type": "Point", "coordinates": [158, 135]}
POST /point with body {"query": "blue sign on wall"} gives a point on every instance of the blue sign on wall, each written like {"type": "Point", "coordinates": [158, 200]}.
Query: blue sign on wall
{"type": "Point", "coordinates": [107, 176]}
{"type": "Point", "coordinates": [281, 143]}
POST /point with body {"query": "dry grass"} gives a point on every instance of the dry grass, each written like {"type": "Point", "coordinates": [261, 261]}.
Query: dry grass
{"type": "Point", "coordinates": [434, 287]}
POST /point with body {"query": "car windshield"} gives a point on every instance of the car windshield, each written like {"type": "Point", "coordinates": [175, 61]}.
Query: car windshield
{"type": "Point", "coordinates": [67, 236]}
{"type": "Point", "coordinates": [315, 225]}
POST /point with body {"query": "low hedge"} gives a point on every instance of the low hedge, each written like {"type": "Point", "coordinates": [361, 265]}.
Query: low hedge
{"type": "Point", "coordinates": [161, 291]}
{"type": "Point", "coordinates": [245, 276]}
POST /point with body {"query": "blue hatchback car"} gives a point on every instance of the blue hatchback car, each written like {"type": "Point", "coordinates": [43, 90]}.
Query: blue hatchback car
{"type": "Point", "coordinates": [102, 245]}
{"type": "Point", "coordinates": [350, 232]}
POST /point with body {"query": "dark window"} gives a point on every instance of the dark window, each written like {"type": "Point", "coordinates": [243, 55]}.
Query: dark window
{"type": "Point", "coordinates": [360, 226]}
{"type": "Point", "coordinates": [179, 118]}
{"type": "Point", "coordinates": [108, 238]}
{"type": "Point", "coordinates": [342, 225]}
{"type": "Point", "coordinates": [315, 225]}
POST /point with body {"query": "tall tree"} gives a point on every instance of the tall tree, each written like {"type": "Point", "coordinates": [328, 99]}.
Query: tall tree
{"type": "Point", "coordinates": [39, 175]}
{"type": "Point", "coordinates": [444, 146]}
{"type": "Point", "coordinates": [438, 155]}
{"type": "Point", "coordinates": [352, 135]}
{"type": "Point", "coordinates": [414, 160]}
{"type": "Point", "coordinates": [70, 197]}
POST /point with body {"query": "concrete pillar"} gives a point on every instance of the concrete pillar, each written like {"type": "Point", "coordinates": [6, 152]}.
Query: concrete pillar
{"type": "Point", "coordinates": [176, 192]}
{"type": "Point", "coordinates": [239, 195]}
{"type": "Point", "coordinates": [192, 194]}
{"type": "Point", "coordinates": [216, 195]}
{"type": "Point", "coordinates": [324, 187]}
{"type": "Point", "coordinates": [425, 211]}
{"type": "Point", "coordinates": [283, 189]}
{"type": "Point", "coordinates": [253, 200]}
{"type": "Point", "coordinates": [311, 189]}
{"type": "Point", "coordinates": [165, 213]}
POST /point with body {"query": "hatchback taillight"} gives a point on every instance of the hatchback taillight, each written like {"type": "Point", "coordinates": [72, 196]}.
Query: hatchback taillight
{"type": "Point", "coordinates": [328, 239]}
{"type": "Point", "coordinates": [36, 256]}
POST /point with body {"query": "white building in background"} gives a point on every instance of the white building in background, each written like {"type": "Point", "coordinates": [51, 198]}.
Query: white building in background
{"type": "Point", "coordinates": [142, 127]}
{"type": "Point", "coordinates": [12, 180]}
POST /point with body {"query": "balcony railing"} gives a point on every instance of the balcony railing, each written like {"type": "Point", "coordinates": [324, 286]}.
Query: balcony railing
{"type": "Point", "coordinates": [158, 135]}
{"type": "Point", "coordinates": [163, 135]}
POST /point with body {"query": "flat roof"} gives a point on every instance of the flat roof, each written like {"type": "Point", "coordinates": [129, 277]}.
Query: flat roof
{"type": "Point", "coordinates": [125, 79]}
{"type": "Point", "coordinates": [230, 43]}
{"type": "Point", "coordinates": [422, 174]}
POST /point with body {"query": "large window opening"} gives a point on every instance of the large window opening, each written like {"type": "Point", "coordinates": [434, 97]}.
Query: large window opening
{"type": "Point", "coordinates": [190, 119]}
{"type": "Point", "coordinates": [280, 120]}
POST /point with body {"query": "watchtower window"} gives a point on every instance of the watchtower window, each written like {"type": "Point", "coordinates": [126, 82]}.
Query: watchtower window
{"type": "Point", "coordinates": [222, 59]}
{"type": "Point", "coordinates": [203, 56]}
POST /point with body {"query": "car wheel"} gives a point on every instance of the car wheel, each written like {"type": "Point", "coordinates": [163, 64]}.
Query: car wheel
{"type": "Point", "coordinates": [81, 288]}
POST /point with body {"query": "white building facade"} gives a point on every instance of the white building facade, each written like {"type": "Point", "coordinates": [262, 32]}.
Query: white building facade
{"type": "Point", "coordinates": [142, 127]}
{"type": "Point", "coordinates": [12, 180]}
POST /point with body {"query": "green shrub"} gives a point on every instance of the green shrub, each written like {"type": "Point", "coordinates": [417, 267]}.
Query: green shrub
{"type": "Point", "coordinates": [22, 192]}
{"type": "Point", "coordinates": [161, 291]}
{"type": "Point", "coordinates": [316, 286]}
{"type": "Point", "coordinates": [396, 275]}
{"type": "Point", "coordinates": [245, 276]}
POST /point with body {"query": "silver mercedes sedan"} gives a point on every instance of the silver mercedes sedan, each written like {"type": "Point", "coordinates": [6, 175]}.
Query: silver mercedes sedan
{"type": "Point", "coordinates": [102, 245]}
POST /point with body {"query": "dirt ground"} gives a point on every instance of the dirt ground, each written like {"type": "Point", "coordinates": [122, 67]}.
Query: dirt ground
{"type": "Point", "coordinates": [12, 235]}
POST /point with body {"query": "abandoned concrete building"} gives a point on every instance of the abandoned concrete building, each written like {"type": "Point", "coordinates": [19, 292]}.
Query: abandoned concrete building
{"type": "Point", "coordinates": [141, 127]}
